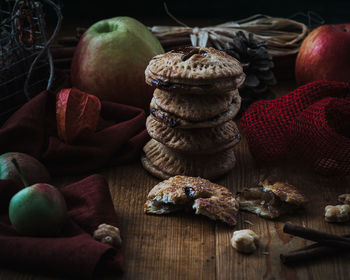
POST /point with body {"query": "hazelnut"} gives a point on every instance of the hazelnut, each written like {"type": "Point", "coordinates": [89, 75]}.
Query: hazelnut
{"type": "Point", "coordinates": [344, 198]}
{"type": "Point", "coordinates": [337, 214]}
{"type": "Point", "coordinates": [108, 234]}
{"type": "Point", "coordinates": [245, 241]}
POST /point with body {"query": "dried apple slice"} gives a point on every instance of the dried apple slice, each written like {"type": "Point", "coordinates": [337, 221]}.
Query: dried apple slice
{"type": "Point", "coordinates": [77, 114]}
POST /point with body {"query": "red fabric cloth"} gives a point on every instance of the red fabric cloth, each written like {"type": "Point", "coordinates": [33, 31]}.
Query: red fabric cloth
{"type": "Point", "coordinates": [75, 252]}
{"type": "Point", "coordinates": [32, 129]}
{"type": "Point", "coordinates": [311, 123]}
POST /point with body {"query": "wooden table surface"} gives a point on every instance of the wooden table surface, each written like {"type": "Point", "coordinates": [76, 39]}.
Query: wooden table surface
{"type": "Point", "coordinates": [186, 246]}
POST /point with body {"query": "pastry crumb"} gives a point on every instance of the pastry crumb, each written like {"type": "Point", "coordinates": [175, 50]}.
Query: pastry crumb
{"type": "Point", "coordinates": [344, 198]}
{"type": "Point", "coordinates": [245, 241]}
{"type": "Point", "coordinates": [108, 234]}
{"type": "Point", "coordinates": [337, 213]}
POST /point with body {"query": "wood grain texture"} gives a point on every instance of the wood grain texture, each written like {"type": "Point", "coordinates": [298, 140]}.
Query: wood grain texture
{"type": "Point", "coordinates": [159, 246]}
{"type": "Point", "coordinates": [265, 263]}
{"type": "Point", "coordinates": [185, 246]}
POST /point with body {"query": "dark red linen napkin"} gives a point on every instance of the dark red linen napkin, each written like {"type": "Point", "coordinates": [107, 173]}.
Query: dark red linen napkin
{"type": "Point", "coordinates": [32, 129]}
{"type": "Point", "coordinates": [75, 253]}
{"type": "Point", "coordinates": [311, 123]}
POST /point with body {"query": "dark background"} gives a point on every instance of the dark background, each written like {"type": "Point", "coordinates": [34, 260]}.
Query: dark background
{"type": "Point", "coordinates": [203, 12]}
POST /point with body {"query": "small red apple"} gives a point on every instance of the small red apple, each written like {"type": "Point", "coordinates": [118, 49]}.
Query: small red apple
{"type": "Point", "coordinates": [325, 55]}
{"type": "Point", "coordinates": [33, 170]}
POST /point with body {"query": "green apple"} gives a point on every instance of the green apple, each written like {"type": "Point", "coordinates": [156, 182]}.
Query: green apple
{"type": "Point", "coordinates": [111, 58]}
{"type": "Point", "coordinates": [38, 210]}
{"type": "Point", "coordinates": [33, 170]}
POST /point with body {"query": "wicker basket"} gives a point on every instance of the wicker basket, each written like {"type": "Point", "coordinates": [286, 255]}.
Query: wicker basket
{"type": "Point", "coordinates": [23, 45]}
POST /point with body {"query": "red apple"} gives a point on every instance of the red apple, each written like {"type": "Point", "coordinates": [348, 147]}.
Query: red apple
{"type": "Point", "coordinates": [325, 55]}
{"type": "Point", "coordinates": [33, 170]}
{"type": "Point", "coordinates": [111, 58]}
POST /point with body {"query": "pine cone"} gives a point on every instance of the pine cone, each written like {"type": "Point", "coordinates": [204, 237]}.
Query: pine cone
{"type": "Point", "coordinates": [257, 64]}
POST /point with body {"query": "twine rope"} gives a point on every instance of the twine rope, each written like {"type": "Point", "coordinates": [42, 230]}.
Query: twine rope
{"type": "Point", "coordinates": [283, 36]}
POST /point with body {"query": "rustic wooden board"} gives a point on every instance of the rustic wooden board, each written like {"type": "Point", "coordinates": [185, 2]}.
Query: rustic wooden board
{"type": "Point", "coordinates": [185, 246]}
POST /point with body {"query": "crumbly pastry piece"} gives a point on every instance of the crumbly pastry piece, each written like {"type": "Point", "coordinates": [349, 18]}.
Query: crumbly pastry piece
{"type": "Point", "coordinates": [192, 70]}
{"type": "Point", "coordinates": [271, 200]}
{"type": "Point", "coordinates": [205, 197]}
{"type": "Point", "coordinates": [344, 198]}
{"type": "Point", "coordinates": [159, 157]}
{"type": "Point", "coordinates": [337, 213]}
{"type": "Point", "coordinates": [245, 241]}
{"type": "Point", "coordinates": [108, 234]}
{"type": "Point", "coordinates": [194, 107]}
{"type": "Point", "coordinates": [197, 140]}
{"type": "Point", "coordinates": [176, 121]}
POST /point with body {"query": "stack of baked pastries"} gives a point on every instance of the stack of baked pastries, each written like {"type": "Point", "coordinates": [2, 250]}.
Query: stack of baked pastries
{"type": "Point", "coordinates": [192, 110]}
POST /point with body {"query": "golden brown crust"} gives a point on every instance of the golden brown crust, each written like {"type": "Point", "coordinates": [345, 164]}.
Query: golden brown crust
{"type": "Point", "coordinates": [194, 141]}
{"type": "Point", "coordinates": [194, 107]}
{"type": "Point", "coordinates": [271, 200]}
{"type": "Point", "coordinates": [207, 198]}
{"type": "Point", "coordinates": [152, 169]}
{"type": "Point", "coordinates": [176, 163]}
{"type": "Point", "coordinates": [176, 121]}
{"type": "Point", "coordinates": [261, 203]}
{"type": "Point", "coordinates": [195, 70]}
{"type": "Point", "coordinates": [285, 192]}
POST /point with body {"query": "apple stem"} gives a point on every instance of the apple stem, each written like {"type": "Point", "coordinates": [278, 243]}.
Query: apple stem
{"type": "Point", "coordinates": [20, 173]}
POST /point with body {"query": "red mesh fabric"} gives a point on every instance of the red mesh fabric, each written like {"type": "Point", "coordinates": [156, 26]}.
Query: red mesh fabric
{"type": "Point", "coordinates": [310, 123]}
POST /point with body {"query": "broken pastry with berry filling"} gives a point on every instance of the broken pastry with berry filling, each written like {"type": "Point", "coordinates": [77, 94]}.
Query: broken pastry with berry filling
{"type": "Point", "coordinates": [206, 198]}
{"type": "Point", "coordinates": [271, 200]}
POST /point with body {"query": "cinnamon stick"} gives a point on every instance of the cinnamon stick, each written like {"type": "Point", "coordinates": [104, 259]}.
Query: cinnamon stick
{"type": "Point", "coordinates": [175, 41]}
{"type": "Point", "coordinates": [323, 238]}
{"type": "Point", "coordinates": [311, 252]}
